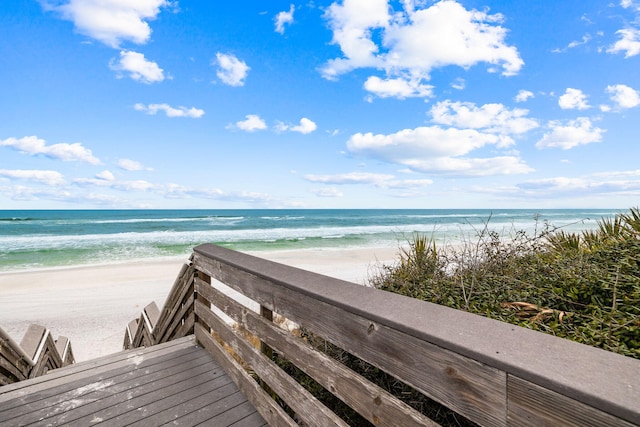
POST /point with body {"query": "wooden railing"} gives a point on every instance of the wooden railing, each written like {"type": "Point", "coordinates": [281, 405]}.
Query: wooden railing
{"type": "Point", "coordinates": [36, 354]}
{"type": "Point", "coordinates": [492, 373]}
{"type": "Point", "coordinates": [176, 319]}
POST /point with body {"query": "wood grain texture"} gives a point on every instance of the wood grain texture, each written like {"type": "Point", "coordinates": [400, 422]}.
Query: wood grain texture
{"type": "Point", "coordinates": [176, 306]}
{"type": "Point", "coordinates": [468, 387]}
{"type": "Point", "coordinates": [91, 367]}
{"type": "Point", "coordinates": [371, 401]}
{"type": "Point", "coordinates": [176, 382]}
{"type": "Point", "coordinates": [532, 405]}
{"type": "Point", "coordinates": [265, 405]}
{"type": "Point", "coordinates": [174, 320]}
{"type": "Point", "coordinates": [12, 365]}
{"type": "Point", "coordinates": [459, 359]}
{"type": "Point", "coordinates": [307, 408]}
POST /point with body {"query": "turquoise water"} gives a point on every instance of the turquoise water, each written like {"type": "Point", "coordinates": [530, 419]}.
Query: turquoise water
{"type": "Point", "coordinates": [40, 238]}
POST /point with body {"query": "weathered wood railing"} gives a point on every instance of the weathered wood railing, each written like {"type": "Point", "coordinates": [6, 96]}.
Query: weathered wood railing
{"type": "Point", "coordinates": [36, 354]}
{"type": "Point", "coordinates": [176, 319]}
{"type": "Point", "coordinates": [493, 373]}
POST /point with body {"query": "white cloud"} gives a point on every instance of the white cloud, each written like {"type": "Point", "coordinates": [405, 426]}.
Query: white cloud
{"type": "Point", "coordinates": [437, 150]}
{"type": "Point", "coordinates": [132, 165]}
{"type": "Point", "coordinates": [170, 111]}
{"type": "Point", "coordinates": [306, 126]}
{"type": "Point", "coordinates": [137, 185]}
{"type": "Point", "coordinates": [618, 174]}
{"type": "Point", "coordinates": [231, 70]}
{"type": "Point", "coordinates": [629, 42]}
{"type": "Point", "coordinates": [464, 166]}
{"type": "Point", "coordinates": [398, 87]}
{"type": "Point", "coordinates": [573, 99]}
{"type": "Point", "coordinates": [175, 191]}
{"type": "Point", "coordinates": [105, 175]}
{"type": "Point", "coordinates": [33, 145]}
{"type": "Point", "coordinates": [252, 123]}
{"type": "Point", "coordinates": [327, 192]}
{"type": "Point", "coordinates": [626, 3]}
{"type": "Point", "coordinates": [111, 21]}
{"type": "Point", "coordinates": [47, 177]}
{"type": "Point", "coordinates": [585, 39]}
{"type": "Point", "coordinates": [137, 67]}
{"type": "Point", "coordinates": [350, 178]}
{"type": "Point", "coordinates": [413, 42]}
{"type": "Point", "coordinates": [572, 134]}
{"type": "Point", "coordinates": [458, 84]}
{"type": "Point", "coordinates": [494, 118]}
{"type": "Point", "coordinates": [351, 24]}
{"type": "Point", "coordinates": [283, 18]}
{"type": "Point", "coordinates": [376, 179]}
{"type": "Point", "coordinates": [560, 183]}
{"type": "Point", "coordinates": [620, 183]}
{"type": "Point", "coordinates": [624, 96]}
{"type": "Point", "coordinates": [23, 193]}
{"type": "Point", "coordinates": [408, 183]}
{"type": "Point", "coordinates": [524, 95]}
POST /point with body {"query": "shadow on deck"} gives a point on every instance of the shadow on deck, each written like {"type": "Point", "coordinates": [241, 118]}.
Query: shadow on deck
{"type": "Point", "coordinates": [177, 382]}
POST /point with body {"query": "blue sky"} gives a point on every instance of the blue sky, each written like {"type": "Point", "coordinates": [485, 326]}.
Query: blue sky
{"type": "Point", "coordinates": [319, 104]}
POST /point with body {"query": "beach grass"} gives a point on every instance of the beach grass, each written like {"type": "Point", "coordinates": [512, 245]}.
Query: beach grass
{"type": "Point", "coordinates": [580, 286]}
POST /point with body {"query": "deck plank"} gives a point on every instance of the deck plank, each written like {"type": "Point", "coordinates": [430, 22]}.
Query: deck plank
{"type": "Point", "coordinates": [250, 421]}
{"type": "Point", "coordinates": [45, 403]}
{"type": "Point", "coordinates": [197, 399]}
{"type": "Point", "coordinates": [93, 367]}
{"type": "Point", "coordinates": [118, 404]}
{"type": "Point", "coordinates": [79, 388]}
{"type": "Point", "coordinates": [178, 383]}
{"type": "Point", "coordinates": [156, 403]}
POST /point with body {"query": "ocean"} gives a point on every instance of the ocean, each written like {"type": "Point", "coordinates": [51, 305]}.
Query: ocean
{"type": "Point", "coordinates": [33, 239]}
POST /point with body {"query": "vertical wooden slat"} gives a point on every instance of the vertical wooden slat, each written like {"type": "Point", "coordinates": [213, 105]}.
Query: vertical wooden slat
{"type": "Point", "coordinates": [267, 407]}
{"type": "Point", "coordinates": [264, 347]}
{"type": "Point", "coordinates": [206, 279]}
{"type": "Point", "coordinates": [488, 371]}
{"type": "Point", "coordinates": [466, 386]}
{"type": "Point", "coordinates": [460, 359]}
{"type": "Point", "coordinates": [306, 406]}
{"type": "Point", "coordinates": [372, 402]}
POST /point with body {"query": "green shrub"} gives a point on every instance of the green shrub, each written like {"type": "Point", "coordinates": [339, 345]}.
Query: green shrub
{"type": "Point", "coordinates": [584, 287]}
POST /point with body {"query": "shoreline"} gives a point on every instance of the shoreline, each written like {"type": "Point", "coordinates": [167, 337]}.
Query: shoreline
{"type": "Point", "coordinates": [92, 304]}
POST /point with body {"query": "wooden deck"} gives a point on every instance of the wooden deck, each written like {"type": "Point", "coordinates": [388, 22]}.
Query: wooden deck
{"type": "Point", "coordinates": [177, 382]}
{"type": "Point", "coordinates": [492, 373]}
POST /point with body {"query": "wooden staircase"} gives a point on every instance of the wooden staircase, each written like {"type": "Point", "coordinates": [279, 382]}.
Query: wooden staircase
{"type": "Point", "coordinates": [37, 353]}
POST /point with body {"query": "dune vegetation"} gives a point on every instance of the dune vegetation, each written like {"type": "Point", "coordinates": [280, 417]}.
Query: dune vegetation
{"type": "Point", "coordinates": [580, 286]}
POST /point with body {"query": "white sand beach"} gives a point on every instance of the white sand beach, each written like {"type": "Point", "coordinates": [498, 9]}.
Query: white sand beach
{"type": "Point", "coordinates": [91, 305]}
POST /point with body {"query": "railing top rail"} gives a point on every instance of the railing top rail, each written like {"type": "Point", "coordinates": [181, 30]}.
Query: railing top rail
{"type": "Point", "coordinates": [591, 375]}
{"type": "Point", "coordinates": [16, 347]}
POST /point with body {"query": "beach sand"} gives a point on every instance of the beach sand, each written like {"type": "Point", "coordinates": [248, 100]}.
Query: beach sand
{"type": "Point", "coordinates": [91, 305]}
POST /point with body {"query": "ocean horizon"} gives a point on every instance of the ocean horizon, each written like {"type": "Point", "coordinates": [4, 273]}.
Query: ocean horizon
{"type": "Point", "coordinates": [36, 239]}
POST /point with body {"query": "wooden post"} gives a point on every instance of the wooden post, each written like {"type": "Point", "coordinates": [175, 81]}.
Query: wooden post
{"type": "Point", "coordinates": [264, 348]}
{"type": "Point", "coordinates": [207, 279]}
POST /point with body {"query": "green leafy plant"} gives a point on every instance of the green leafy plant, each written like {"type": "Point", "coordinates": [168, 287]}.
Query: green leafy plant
{"type": "Point", "coordinates": [581, 286]}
